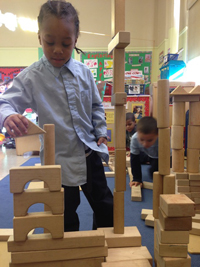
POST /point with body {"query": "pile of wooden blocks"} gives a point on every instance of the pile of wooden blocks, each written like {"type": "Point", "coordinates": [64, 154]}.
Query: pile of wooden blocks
{"type": "Point", "coordinates": [54, 247]}
{"type": "Point", "coordinates": [171, 230]}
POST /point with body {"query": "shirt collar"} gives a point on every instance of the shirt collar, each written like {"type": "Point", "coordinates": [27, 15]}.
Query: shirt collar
{"type": "Point", "coordinates": [56, 71]}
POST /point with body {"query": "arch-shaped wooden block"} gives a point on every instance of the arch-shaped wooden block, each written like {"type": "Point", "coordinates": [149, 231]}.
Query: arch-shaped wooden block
{"type": "Point", "coordinates": [23, 225]}
{"type": "Point", "coordinates": [50, 174]}
{"type": "Point", "coordinates": [54, 200]}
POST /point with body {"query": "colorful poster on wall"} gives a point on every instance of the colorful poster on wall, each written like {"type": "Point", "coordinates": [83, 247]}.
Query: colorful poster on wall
{"type": "Point", "coordinates": [7, 74]}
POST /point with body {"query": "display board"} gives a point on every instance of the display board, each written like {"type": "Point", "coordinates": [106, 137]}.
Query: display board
{"type": "Point", "coordinates": [101, 64]}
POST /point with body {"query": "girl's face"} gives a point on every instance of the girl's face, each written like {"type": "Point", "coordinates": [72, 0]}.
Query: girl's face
{"type": "Point", "coordinates": [58, 39]}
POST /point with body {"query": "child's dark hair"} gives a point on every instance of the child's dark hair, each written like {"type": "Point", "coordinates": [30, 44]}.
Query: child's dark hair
{"type": "Point", "coordinates": [60, 9]}
{"type": "Point", "coordinates": [147, 125]}
{"type": "Point", "coordinates": [130, 116]}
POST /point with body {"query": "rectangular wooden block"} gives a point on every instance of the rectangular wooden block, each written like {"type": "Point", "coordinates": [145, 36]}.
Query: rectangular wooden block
{"type": "Point", "coordinates": [149, 220]}
{"type": "Point", "coordinates": [182, 182]}
{"type": "Point", "coordinates": [131, 253]}
{"type": "Point", "coordinates": [157, 190]}
{"type": "Point", "coordinates": [136, 194]}
{"type": "Point", "coordinates": [58, 254]}
{"type": "Point", "coordinates": [194, 182]}
{"type": "Point", "coordinates": [95, 238]}
{"type": "Point", "coordinates": [120, 123]}
{"type": "Point", "coordinates": [182, 175]}
{"type": "Point", "coordinates": [91, 262]}
{"type": "Point", "coordinates": [175, 223]}
{"type": "Point", "coordinates": [195, 228]}
{"type": "Point", "coordinates": [120, 169]}
{"type": "Point", "coordinates": [121, 40]}
{"type": "Point", "coordinates": [194, 188]}
{"type": "Point", "coordinates": [147, 185]}
{"type": "Point", "coordinates": [50, 174]}
{"type": "Point", "coordinates": [183, 189]}
{"type": "Point", "coordinates": [146, 212]}
{"type": "Point", "coordinates": [185, 98]}
{"type": "Point", "coordinates": [171, 237]}
{"type": "Point", "coordinates": [130, 238]}
{"type": "Point", "coordinates": [110, 174]}
{"type": "Point", "coordinates": [5, 233]}
{"type": "Point", "coordinates": [23, 225]}
{"type": "Point", "coordinates": [177, 205]}
{"type": "Point", "coordinates": [127, 263]}
{"type": "Point", "coordinates": [164, 151]}
{"type": "Point", "coordinates": [173, 262]}
{"type": "Point", "coordinates": [196, 218]}
{"type": "Point", "coordinates": [194, 176]}
{"type": "Point", "coordinates": [118, 212]}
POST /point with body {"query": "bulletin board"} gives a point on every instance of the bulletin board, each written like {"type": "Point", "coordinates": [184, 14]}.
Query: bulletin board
{"type": "Point", "coordinates": [101, 64]}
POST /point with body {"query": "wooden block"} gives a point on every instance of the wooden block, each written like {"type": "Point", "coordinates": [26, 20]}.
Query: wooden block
{"type": "Point", "coordinates": [5, 233]}
{"type": "Point", "coordinates": [178, 160]}
{"type": "Point", "coordinates": [91, 262]}
{"type": "Point", "coordinates": [194, 114]}
{"type": "Point", "coordinates": [130, 253]}
{"type": "Point", "coordinates": [118, 212]}
{"type": "Point", "coordinates": [117, 16]}
{"type": "Point", "coordinates": [49, 144]}
{"type": "Point", "coordinates": [127, 263]}
{"type": "Point", "coordinates": [33, 129]}
{"type": "Point", "coordinates": [195, 189]}
{"type": "Point", "coordinates": [163, 104]}
{"type": "Point", "coordinates": [183, 189]}
{"type": "Point", "coordinates": [169, 184]}
{"type": "Point", "coordinates": [181, 175]}
{"type": "Point", "coordinates": [173, 262]}
{"type": "Point", "coordinates": [195, 194]}
{"type": "Point", "coordinates": [175, 223]}
{"type": "Point", "coordinates": [182, 182]}
{"type": "Point", "coordinates": [164, 151]}
{"type": "Point", "coordinates": [193, 133]}
{"type": "Point", "coordinates": [82, 239]}
{"type": "Point", "coordinates": [4, 255]}
{"type": "Point", "coordinates": [147, 185]}
{"type": "Point", "coordinates": [149, 220]}
{"type": "Point", "coordinates": [194, 176]}
{"type": "Point", "coordinates": [118, 98]}
{"type": "Point", "coordinates": [53, 223]}
{"type": "Point", "coordinates": [196, 218]}
{"type": "Point", "coordinates": [51, 175]}
{"type": "Point", "coordinates": [196, 200]}
{"type": "Point", "coordinates": [193, 160]}
{"type": "Point", "coordinates": [109, 174]}
{"type": "Point", "coordinates": [194, 182]}
{"type": "Point", "coordinates": [176, 137]}
{"type": "Point", "coordinates": [185, 98]}
{"type": "Point", "coordinates": [177, 205]}
{"type": "Point", "coordinates": [193, 246]}
{"type": "Point", "coordinates": [118, 73]}
{"type": "Point", "coordinates": [120, 136]}
{"type": "Point", "coordinates": [26, 144]}
{"type": "Point", "coordinates": [146, 212]}
{"type": "Point", "coordinates": [179, 90]}
{"type": "Point", "coordinates": [171, 237]}
{"type": "Point", "coordinates": [35, 185]}
{"type": "Point", "coordinates": [157, 190]}
{"type": "Point", "coordinates": [195, 228]}
{"type": "Point", "coordinates": [120, 41]}
{"type": "Point", "coordinates": [54, 200]}
{"type": "Point", "coordinates": [136, 194]}
{"type": "Point", "coordinates": [130, 238]}
{"type": "Point", "coordinates": [178, 114]}
{"type": "Point", "coordinates": [120, 169]}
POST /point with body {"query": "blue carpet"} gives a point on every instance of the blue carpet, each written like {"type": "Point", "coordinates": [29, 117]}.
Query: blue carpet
{"type": "Point", "coordinates": [132, 216]}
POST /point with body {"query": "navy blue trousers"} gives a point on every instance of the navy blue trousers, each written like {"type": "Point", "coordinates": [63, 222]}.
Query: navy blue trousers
{"type": "Point", "coordinates": [97, 193]}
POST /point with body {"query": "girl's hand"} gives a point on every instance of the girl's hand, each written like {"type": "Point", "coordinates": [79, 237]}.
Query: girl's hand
{"type": "Point", "coordinates": [102, 140]}
{"type": "Point", "coordinates": [135, 184]}
{"type": "Point", "coordinates": [16, 125]}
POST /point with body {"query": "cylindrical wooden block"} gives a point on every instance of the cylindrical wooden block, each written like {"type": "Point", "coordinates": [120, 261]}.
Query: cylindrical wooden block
{"type": "Point", "coordinates": [194, 113]}
{"type": "Point", "coordinates": [118, 212]}
{"type": "Point", "coordinates": [178, 160]}
{"type": "Point", "coordinates": [120, 123]}
{"type": "Point", "coordinates": [169, 184]}
{"type": "Point", "coordinates": [164, 151]}
{"type": "Point", "coordinates": [157, 191]}
{"type": "Point", "coordinates": [178, 113]}
{"type": "Point", "coordinates": [177, 137]}
{"type": "Point", "coordinates": [192, 160]}
{"type": "Point", "coordinates": [49, 144]}
{"type": "Point", "coordinates": [193, 137]}
{"type": "Point", "coordinates": [163, 104]}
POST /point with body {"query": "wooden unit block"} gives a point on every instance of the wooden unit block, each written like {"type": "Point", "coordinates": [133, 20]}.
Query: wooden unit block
{"type": "Point", "coordinates": [120, 41]}
{"type": "Point", "coordinates": [118, 71]}
{"type": "Point", "coordinates": [58, 254]}
{"type": "Point", "coordinates": [194, 176]}
{"type": "Point", "coordinates": [35, 185]}
{"type": "Point", "coordinates": [196, 200]}
{"type": "Point", "coordinates": [164, 151]}
{"type": "Point", "coordinates": [82, 239]}
{"type": "Point", "coordinates": [118, 99]}
{"type": "Point", "coordinates": [175, 223]}
{"type": "Point", "coordinates": [169, 184]}
{"type": "Point", "coordinates": [163, 104]}
{"type": "Point", "coordinates": [26, 144]}
{"type": "Point", "coordinates": [4, 256]}
{"type": "Point", "coordinates": [118, 212]}
{"type": "Point", "coordinates": [177, 205]}
{"type": "Point", "coordinates": [195, 194]}
{"type": "Point", "coordinates": [185, 98]}
{"type": "Point", "coordinates": [195, 90]}
{"type": "Point", "coordinates": [173, 262]}
{"type": "Point", "coordinates": [193, 160]}
{"type": "Point", "coordinates": [49, 144]}
{"type": "Point", "coordinates": [51, 175]}
{"type": "Point", "coordinates": [194, 183]}
{"type": "Point", "coordinates": [171, 237]}
{"type": "Point", "coordinates": [33, 129]}
{"type": "Point", "coordinates": [146, 212]}
{"type": "Point", "coordinates": [130, 253]}
{"type": "Point", "coordinates": [110, 174]}
{"type": "Point", "coordinates": [182, 182]}
{"type": "Point", "coordinates": [193, 246]}
{"type": "Point", "coordinates": [120, 169]}
{"type": "Point", "coordinates": [177, 137]}
{"type": "Point", "coordinates": [120, 123]}
{"type": "Point", "coordinates": [182, 175]}
{"type": "Point", "coordinates": [194, 114]}
{"type": "Point", "coordinates": [196, 218]}
{"type": "Point", "coordinates": [183, 189]}
{"type": "Point", "coordinates": [53, 223]}
{"type": "Point", "coordinates": [157, 190]}
{"type": "Point", "coordinates": [90, 262]}
{"type": "Point", "coordinates": [179, 90]}
{"type": "Point", "coordinates": [136, 194]}
{"type": "Point", "coordinates": [149, 220]}
{"type": "Point", "coordinates": [178, 114]}
{"type": "Point", "coordinates": [194, 188]}
{"type": "Point", "coordinates": [117, 16]}
{"type": "Point", "coordinates": [130, 238]}
{"type": "Point", "coordinates": [147, 185]}
{"type": "Point", "coordinates": [22, 201]}
{"type": "Point", "coordinates": [178, 160]}
{"type": "Point", "coordinates": [193, 140]}
{"type": "Point", "coordinates": [127, 263]}
{"type": "Point", "coordinates": [5, 233]}
{"type": "Point", "coordinates": [195, 228]}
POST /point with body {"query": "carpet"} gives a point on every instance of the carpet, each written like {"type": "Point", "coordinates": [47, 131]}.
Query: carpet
{"type": "Point", "coordinates": [132, 216]}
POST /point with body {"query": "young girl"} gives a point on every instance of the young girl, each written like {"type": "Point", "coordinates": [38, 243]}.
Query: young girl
{"type": "Point", "coordinates": [62, 91]}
